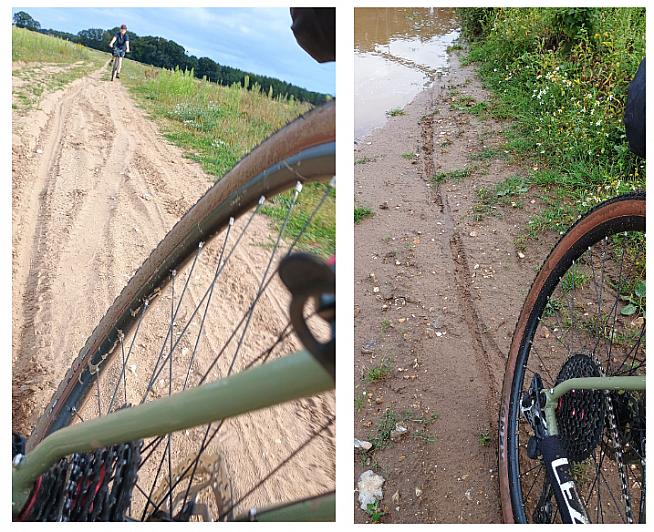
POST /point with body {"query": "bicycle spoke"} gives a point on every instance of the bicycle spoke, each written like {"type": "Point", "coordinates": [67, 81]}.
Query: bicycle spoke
{"type": "Point", "coordinates": [615, 316]}
{"type": "Point", "coordinates": [298, 188]}
{"type": "Point", "coordinates": [154, 484]}
{"type": "Point", "coordinates": [538, 464]}
{"type": "Point", "coordinates": [297, 450]}
{"type": "Point", "coordinates": [206, 308]}
{"type": "Point", "coordinates": [195, 466]}
{"type": "Point", "coordinates": [204, 445]}
{"type": "Point", "coordinates": [170, 384]}
{"type": "Point", "coordinates": [633, 350]}
{"type": "Point", "coordinates": [290, 249]}
{"type": "Point", "coordinates": [156, 371]}
{"type": "Point", "coordinates": [169, 332]}
{"type": "Point", "coordinates": [129, 351]}
{"type": "Point", "coordinates": [540, 470]}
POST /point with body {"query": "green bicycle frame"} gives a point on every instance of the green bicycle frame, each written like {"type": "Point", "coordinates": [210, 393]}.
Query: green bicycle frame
{"type": "Point", "coordinates": [291, 377]}
{"type": "Point", "coordinates": [552, 395]}
{"type": "Point", "coordinates": [320, 508]}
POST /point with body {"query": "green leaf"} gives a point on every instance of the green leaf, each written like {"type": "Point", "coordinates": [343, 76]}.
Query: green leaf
{"type": "Point", "coordinates": [628, 310]}
{"type": "Point", "coordinates": [639, 289]}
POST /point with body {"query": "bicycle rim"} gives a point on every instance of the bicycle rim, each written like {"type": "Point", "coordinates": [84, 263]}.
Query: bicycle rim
{"type": "Point", "coordinates": [207, 304]}
{"type": "Point", "coordinates": [583, 316]}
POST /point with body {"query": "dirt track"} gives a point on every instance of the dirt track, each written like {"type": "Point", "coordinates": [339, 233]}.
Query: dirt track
{"type": "Point", "coordinates": [437, 295]}
{"type": "Point", "coordinates": [95, 188]}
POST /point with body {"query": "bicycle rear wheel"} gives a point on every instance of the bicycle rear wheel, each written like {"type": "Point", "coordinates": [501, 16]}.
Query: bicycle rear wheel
{"type": "Point", "coordinates": [205, 304]}
{"type": "Point", "coordinates": [584, 316]}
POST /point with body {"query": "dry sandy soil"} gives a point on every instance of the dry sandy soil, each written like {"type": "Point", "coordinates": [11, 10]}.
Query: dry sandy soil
{"type": "Point", "coordinates": [95, 188]}
{"type": "Point", "coordinates": [437, 294]}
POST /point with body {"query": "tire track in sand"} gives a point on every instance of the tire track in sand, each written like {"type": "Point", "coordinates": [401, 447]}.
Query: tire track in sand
{"type": "Point", "coordinates": [437, 292]}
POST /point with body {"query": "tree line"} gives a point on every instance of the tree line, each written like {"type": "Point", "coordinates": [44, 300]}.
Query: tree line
{"type": "Point", "coordinates": [164, 53]}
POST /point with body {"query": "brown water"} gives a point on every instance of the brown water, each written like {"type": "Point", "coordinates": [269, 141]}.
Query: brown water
{"type": "Point", "coordinates": [397, 53]}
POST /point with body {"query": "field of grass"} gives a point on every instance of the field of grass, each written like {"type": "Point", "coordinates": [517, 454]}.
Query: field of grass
{"type": "Point", "coordinates": [216, 126]}
{"type": "Point", "coordinates": [30, 46]}
{"type": "Point", "coordinates": [45, 64]}
{"type": "Point", "coordinates": [561, 76]}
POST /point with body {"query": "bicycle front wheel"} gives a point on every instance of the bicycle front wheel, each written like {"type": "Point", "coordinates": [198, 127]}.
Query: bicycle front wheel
{"type": "Point", "coordinates": [584, 316]}
{"type": "Point", "coordinates": [205, 304]}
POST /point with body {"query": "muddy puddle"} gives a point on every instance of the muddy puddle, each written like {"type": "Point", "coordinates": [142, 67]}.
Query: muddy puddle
{"type": "Point", "coordinates": [398, 52]}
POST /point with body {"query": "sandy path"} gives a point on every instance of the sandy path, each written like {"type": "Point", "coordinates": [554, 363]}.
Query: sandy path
{"type": "Point", "coordinates": [437, 296]}
{"type": "Point", "coordinates": [95, 188]}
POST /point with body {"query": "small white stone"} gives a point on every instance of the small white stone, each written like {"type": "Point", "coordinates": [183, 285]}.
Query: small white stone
{"type": "Point", "coordinates": [362, 444]}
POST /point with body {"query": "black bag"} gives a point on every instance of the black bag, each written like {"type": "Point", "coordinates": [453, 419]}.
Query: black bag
{"type": "Point", "coordinates": [634, 113]}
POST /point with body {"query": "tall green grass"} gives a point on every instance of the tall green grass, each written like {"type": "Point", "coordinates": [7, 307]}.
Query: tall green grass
{"type": "Point", "coordinates": [216, 126]}
{"type": "Point", "coordinates": [561, 75]}
{"type": "Point", "coordinates": [30, 46]}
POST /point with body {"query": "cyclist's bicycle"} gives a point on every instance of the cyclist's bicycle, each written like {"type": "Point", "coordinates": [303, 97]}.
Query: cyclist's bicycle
{"type": "Point", "coordinates": [572, 418]}
{"type": "Point", "coordinates": [194, 352]}
{"type": "Point", "coordinates": [117, 53]}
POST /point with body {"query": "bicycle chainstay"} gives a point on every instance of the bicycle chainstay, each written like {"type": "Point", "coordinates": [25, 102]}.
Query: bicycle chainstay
{"type": "Point", "coordinates": [93, 486]}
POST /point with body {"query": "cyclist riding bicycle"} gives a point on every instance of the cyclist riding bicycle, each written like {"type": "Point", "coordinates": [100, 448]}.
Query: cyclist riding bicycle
{"type": "Point", "coordinates": [121, 42]}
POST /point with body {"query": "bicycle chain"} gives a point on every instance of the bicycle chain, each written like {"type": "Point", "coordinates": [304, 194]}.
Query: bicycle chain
{"type": "Point", "coordinates": [93, 486]}
{"type": "Point", "coordinates": [615, 437]}
{"type": "Point", "coordinates": [618, 456]}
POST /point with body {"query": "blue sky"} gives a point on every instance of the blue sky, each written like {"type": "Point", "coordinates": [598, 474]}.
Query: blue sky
{"type": "Point", "coordinates": [257, 40]}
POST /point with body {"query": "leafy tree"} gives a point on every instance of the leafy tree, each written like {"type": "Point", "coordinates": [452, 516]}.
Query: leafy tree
{"type": "Point", "coordinates": [94, 38]}
{"type": "Point", "coordinates": [25, 20]}
{"type": "Point", "coordinates": [207, 68]}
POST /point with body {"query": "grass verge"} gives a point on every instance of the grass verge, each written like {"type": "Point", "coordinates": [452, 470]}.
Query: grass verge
{"type": "Point", "coordinates": [217, 126]}
{"type": "Point", "coordinates": [561, 76]}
